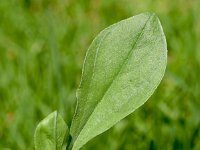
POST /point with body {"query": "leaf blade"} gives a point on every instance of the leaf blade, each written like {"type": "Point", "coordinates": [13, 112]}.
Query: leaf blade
{"type": "Point", "coordinates": [128, 42]}
{"type": "Point", "coordinates": [51, 133]}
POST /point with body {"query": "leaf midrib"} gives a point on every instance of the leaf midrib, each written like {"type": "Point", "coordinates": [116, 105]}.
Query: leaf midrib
{"type": "Point", "coordinates": [55, 125]}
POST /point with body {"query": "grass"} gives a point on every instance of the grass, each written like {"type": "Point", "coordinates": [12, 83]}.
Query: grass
{"type": "Point", "coordinates": [42, 47]}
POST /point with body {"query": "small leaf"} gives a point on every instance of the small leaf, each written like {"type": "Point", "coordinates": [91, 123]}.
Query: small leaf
{"type": "Point", "coordinates": [51, 133]}
{"type": "Point", "coordinates": [123, 66]}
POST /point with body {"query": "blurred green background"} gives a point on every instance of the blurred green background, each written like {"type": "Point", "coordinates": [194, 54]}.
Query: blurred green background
{"type": "Point", "coordinates": [42, 48]}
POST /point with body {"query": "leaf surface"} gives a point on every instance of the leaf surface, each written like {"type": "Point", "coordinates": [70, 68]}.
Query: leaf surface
{"type": "Point", "coordinates": [51, 133]}
{"type": "Point", "coordinates": [123, 66]}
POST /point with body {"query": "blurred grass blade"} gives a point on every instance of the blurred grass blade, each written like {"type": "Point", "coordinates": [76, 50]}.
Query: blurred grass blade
{"type": "Point", "coordinates": [123, 66]}
{"type": "Point", "coordinates": [51, 133]}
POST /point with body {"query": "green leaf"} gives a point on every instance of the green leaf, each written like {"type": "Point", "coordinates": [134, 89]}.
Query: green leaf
{"type": "Point", "coordinates": [123, 66]}
{"type": "Point", "coordinates": [51, 133]}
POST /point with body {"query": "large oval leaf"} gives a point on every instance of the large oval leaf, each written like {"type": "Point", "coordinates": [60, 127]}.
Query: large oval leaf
{"type": "Point", "coordinates": [123, 66]}
{"type": "Point", "coordinates": [51, 133]}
